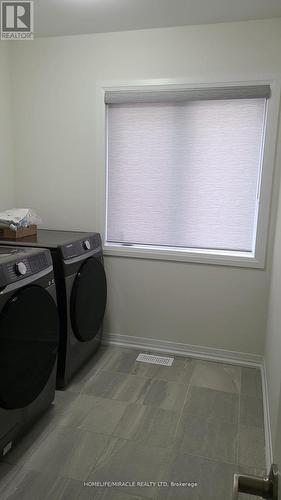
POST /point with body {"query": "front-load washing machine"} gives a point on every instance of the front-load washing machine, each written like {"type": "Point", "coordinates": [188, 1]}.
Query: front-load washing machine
{"type": "Point", "coordinates": [29, 336]}
{"type": "Point", "coordinates": [81, 293]}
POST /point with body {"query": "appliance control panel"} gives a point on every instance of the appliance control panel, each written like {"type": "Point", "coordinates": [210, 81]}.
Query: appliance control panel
{"type": "Point", "coordinates": [21, 263]}
{"type": "Point", "coordinates": [81, 247]}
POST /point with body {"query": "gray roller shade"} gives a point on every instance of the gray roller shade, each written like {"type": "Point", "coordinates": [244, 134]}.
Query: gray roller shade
{"type": "Point", "coordinates": [183, 95]}
{"type": "Point", "coordinates": [185, 174]}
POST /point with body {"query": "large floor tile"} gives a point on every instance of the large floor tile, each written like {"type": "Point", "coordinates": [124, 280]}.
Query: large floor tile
{"type": "Point", "coordinates": [124, 360]}
{"type": "Point", "coordinates": [251, 411]}
{"type": "Point", "coordinates": [214, 479]}
{"type": "Point", "coordinates": [8, 475]}
{"type": "Point", "coordinates": [218, 376]}
{"type": "Point", "coordinates": [127, 461]}
{"type": "Point", "coordinates": [103, 416]}
{"type": "Point", "coordinates": [148, 425]}
{"type": "Point", "coordinates": [219, 405]}
{"type": "Point", "coordinates": [251, 384]}
{"type": "Point", "coordinates": [68, 452]}
{"type": "Point", "coordinates": [63, 400]}
{"type": "Point", "coordinates": [116, 385]}
{"type": "Point", "coordinates": [255, 471]}
{"type": "Point", "coordinates": [33, 485]}
{"type": "Point", "coordinates": [251, 447]}
{"type": "Point", "coordinates": [107, 493]}
{"type": "Point", "coordinates": [166, 395]}
{"type": "Point", "coordinates": [207, 437]}
{"type": "Point", "coordinates": [72, 414]}
{"type": "Point", "coordinates": [90, 413]}
{"type": "Point", "coordinates": [29, 484]}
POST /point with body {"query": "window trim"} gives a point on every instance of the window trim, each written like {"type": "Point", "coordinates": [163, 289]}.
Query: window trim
{"type": "Point", "coordinates": [217, 257]}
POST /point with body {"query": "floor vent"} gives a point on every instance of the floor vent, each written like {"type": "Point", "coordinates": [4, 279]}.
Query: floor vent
{"type": "Point", "coordinates": [155, 360]}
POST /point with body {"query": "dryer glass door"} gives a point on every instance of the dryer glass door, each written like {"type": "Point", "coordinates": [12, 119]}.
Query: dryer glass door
{"type": "Point", "coordinates": [29, 337]}
{"type": "Point", "coordinates": [88, 299]}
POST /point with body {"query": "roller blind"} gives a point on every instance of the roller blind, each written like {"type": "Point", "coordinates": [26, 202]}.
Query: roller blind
{"type": "Point", "coordinates": [146, 95]}
{"type": "Point", "coordinates": [185, 172]}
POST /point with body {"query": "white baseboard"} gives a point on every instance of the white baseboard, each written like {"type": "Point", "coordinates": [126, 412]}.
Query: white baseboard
{"type": "Point", "coordinates": [266, 410]}
{"type": "Point", "coordinates": [210, 354]}
{"type": "Point", "coordinates": [194, 351]}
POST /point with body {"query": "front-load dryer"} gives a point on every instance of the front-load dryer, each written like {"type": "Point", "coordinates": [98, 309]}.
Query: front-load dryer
{"type": "Point", "coordinates": [81, 294]}
{"type": "Point", "coordinates": [29, 335]}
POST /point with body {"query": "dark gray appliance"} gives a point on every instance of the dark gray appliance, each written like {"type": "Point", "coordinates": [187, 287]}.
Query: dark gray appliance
{"type": "Point", "coordinates": [81, 293]}
{"type": "Point", "coordinates": [29, 337]}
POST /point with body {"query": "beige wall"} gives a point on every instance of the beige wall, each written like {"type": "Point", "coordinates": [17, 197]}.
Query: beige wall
{"type": "Point", "coordinates": [54, 84]}
{"type": "Point", "coordinates": [6, 156]}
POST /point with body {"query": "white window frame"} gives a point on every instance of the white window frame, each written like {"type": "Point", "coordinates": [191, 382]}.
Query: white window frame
{"type": "Point", "coordinates": [217, 257]}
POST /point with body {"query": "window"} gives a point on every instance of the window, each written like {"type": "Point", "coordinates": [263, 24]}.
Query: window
{"type": "Point", "coordinates": [184, 168]}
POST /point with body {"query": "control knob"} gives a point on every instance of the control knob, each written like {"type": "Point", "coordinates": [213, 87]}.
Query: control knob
{"type": "Point", "coordinates": [21, 268]}
{"type": "Point", "coordinates": [86, 245]}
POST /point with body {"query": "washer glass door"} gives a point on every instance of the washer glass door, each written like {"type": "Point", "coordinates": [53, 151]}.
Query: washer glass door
{"type": "Point", "coordinates": [29, 334]}
{"type": "Point", "coordinates": [88, 299]}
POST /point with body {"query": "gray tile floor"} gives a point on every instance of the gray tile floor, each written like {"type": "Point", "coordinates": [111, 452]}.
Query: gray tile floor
{"type": "Point", "coordinates": [121, 420]}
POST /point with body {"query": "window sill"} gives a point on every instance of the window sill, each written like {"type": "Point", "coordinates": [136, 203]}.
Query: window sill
{"type": "Point", "coordinates": [199, 256]}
